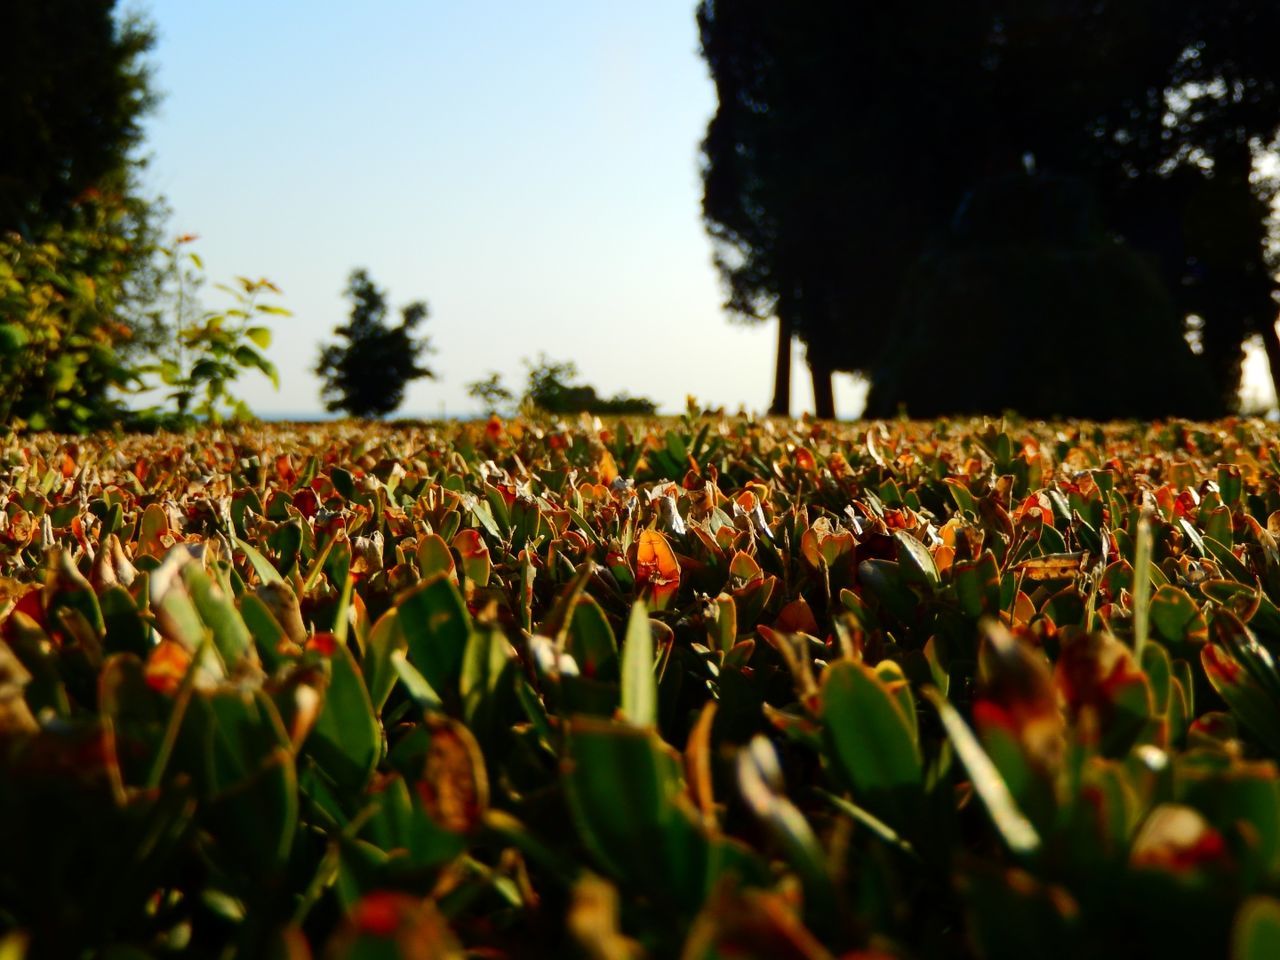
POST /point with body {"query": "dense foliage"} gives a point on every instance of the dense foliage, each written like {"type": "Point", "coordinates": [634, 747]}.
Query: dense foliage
{"type": "Point", "coordinates": [75, 89]}
{"type": "Point", "coordinates": [69, 359]}
{"type": "Point", "coordinates": [62, 340]}
{"type": "Point", "coordinates": [847, 137]}
{"type": "Point", "coordinates": [366, 375]}
{"type": "Point", "coordinates": [1025, 268]}
{"type": "Point", "coordinates": [695, 688]}
{"type": "Point", "coordinates": [93, 307]}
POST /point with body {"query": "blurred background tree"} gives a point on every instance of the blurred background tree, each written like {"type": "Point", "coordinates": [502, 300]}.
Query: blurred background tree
{"type": "Point", "coordinates": [847, 137]}
{"type": "Point", "coordinates": [75, 88]}
{"type": "Point", "coordinates": [366, 376]}
{"type": "Point", "coordinates": [492, 393]}
{"type": "Point", "coordinates": [1027, 274]}
{"type": "Point", "coordinates": [78, 277]}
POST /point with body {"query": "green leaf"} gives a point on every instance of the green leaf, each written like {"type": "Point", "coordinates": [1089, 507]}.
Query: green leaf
{"type": "Point", "coordinates": [261, 565]}
{"type": "Point", "coordinates": [436, 625]}
{"type": "Point", "coordinates": [870, 742]}
{"type": "Point", "coordinates": [433, 556]}
{"type": "Point", "coordinates": [347, 739]}
{"type": "Point", "coordinates": [268, 635]}
{"type": "Point", "coordinates": [421, 691]}
{"type": "Point", "coordinates": [485, 665]}
{"type": "Point", "coordinates": [230, 635]}
{"type": "Point", "coordinates": [591, 642]}
{"type": "Point", "coordinates": [384, 639]}
{"type": "Point", "coordinates": [760, 780]}
{"type": "Point", "coordinates": [259, 335]}
{"type": "Point", "coordinates": [126, 631]}
{"type": "Point", "coordinates": [73, 592]}
{"type": "Point", "coordinates": [256, 824]}
{"type": "Point", "coordinates": [977, 583]}
{"type": "Point", "coordinates": [623, 787]}
{"type": "Point", "coordinates": [872, 823]}
{"type": "Point", "coordinates": [1013, 826]}
{"type": "Point", "coordinates": [1256, 933]}
{"type": "Point", "coordinates": [1176, 617]}
{"type": "Point", "coordinates": [639, 686]}
{"type": "Point", "coordinates": [915, 562]}
{"type": "Point", "coordinates": [886, 583]}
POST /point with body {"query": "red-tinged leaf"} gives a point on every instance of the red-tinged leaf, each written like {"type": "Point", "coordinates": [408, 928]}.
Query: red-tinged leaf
{"type": "Point", "coordinates": [657, 570]}
{"type": "Point", "coordinates": [453, 786]}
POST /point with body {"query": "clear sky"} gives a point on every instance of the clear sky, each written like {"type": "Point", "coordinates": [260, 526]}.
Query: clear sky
{"type": "Point", "coordinates": [529, 169]}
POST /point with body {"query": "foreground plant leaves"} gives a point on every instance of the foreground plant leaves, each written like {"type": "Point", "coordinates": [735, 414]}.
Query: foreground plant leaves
{"type": "Point", "coordinates": [872, 742]}
{"type": "Point", "coordinates": [698, 687]}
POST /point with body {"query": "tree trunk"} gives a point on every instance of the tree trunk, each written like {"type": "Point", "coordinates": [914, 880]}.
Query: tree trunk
{"type": "Point", "coordinates": [824, 397]}
{"type": "Point", "coordinates": [1271, 342]}
{"type": "Point", "coordinates": [781, 406]}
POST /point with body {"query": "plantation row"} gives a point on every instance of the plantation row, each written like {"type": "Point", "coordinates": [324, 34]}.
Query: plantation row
{"type": "Point", "coordinates": [694, 688]}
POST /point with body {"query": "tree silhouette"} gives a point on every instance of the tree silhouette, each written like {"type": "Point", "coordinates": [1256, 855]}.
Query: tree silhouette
{"type": "Point", "coordinates": [367, 375]}
{"type": "Point", "coordinates": [78, 234]}
{"type": "Point", "coordinates": [848, 135]}
{"type": "Point", "coordinates": [74, 88]}
{"type": "Point", "coordinates": [1027, 304]}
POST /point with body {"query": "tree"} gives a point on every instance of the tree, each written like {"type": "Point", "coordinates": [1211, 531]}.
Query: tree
{"type": "Point", "coordinates": [827, 163]}
{"type": "Point", "coordinates": [847, 136]}
{"type": "Point", "coordinates": [74, 90]}
{"type": "Point", "coordinates": [1026, 304]}
{"type": "Point", "coordinates": [1164, 109]}
{"type": "Point", "coordinates": [367, 376]}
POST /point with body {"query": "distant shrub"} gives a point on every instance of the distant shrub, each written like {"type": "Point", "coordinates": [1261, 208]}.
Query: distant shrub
{"type": "Point", "coordinates": [492, 393]}
{"type": "Point", "coordinates": [551, 390]}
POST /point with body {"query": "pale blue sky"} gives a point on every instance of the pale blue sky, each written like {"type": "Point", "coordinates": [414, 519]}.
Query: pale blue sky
{"type": "Point", "coordinates": [530, 169]}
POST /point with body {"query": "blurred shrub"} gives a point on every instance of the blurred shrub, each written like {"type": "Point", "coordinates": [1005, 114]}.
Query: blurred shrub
{"type": "Point", "coordinates": [60, 329]}
{"type": "Point", "coordinates": [72, 349]}
{"type": "Point", "coordinates": [552, 390]}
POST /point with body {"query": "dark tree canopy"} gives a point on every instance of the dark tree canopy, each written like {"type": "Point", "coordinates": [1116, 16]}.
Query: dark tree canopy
{"type": "Point", "coordinates": [74, 87]}
{"type": "Point", "coordinates": [367, 375]}
{"type": "Point", "coordinates": [848, 136]}
{"type": "Point", "coordinates": [78, 236]}
{"type": "Point", "coordinates": [1026, 304]}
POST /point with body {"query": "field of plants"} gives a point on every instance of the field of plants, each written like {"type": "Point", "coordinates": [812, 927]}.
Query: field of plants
{"type": "Point", "coordinates": [690, 688]}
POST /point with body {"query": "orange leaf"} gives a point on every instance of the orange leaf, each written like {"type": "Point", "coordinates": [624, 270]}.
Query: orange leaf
{"type": "Point", "coordinates": [657, 567]}
{"type": "Point", "coordinates": [608, 468]}
{"type": "Point", "coordinates": [166, 667]}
